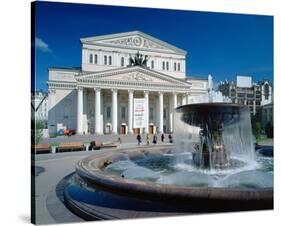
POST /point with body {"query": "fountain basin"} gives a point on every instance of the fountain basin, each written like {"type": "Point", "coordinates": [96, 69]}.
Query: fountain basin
{"type": "Point", "coordinates": [172, 199]}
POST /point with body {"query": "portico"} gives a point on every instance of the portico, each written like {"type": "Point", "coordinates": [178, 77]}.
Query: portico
{"type": "Point", "coordinates": [117, 107]}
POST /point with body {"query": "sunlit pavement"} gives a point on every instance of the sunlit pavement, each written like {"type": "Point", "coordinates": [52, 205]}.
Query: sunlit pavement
{"type": "Point", "coordinates": [50, 171]}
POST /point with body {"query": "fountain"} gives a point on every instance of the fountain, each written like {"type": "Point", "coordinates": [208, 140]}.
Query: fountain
{"type": "Point", "coordinates": [207, 130]}
{"type": "Point", "coordinates": [212, 167]}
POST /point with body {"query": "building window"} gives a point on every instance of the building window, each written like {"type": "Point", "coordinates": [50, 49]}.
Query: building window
{"type": "Point", "coordinates": [123, 113]}
{"type": "Point", "coordinates": [96, 59]}
{"type": "Point", "coordinates": [179, 66]}
{"type": "Point", "coordinates": [266, 91]}
{"type": "Point", "coordinates": [163, 65]}
{"type": "Point", "coordinates": [175, 66]}
{"type": "Point", "coordinates": [167, 66]}
{"type": "Point", "coordinates": [110, 60]}
{"type": "Point", "coordinates": [91, 58]}
{"type": "Point", "coordinates": [122, 61]}
{"type": "Point", "coordinates": [164, 113]}
{"type": "Point", "coordinates": [152, 64]}
{"type": "Point", "coordinates": [150, 114]}
{"type": "Point", "coordinates": [108, 112]}
{"type": "Point", "coordinates": [105, 60]}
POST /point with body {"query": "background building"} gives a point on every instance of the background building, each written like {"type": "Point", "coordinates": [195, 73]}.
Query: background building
{"type": "Point", "coordinates": [98, 97]}
{"type": "Point", "coordinates": [244, 91]}
{"type": "Point", "coordinates": [39, 101]}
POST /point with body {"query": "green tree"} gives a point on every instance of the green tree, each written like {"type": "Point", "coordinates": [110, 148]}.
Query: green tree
{"type": "Point", "coordinates": [269, 130]}
{"type": "Point", "coordinates": [36, 131]}
{"type": "Point", "coordinates": [257, 130]}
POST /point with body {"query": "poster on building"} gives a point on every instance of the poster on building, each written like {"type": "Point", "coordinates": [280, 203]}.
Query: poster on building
{"type": "Point", "coordinates": [139, 113]}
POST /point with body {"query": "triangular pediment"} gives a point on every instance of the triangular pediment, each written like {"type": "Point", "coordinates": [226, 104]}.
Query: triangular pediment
{"type": "Point", "coordinates": [134, 75]}
{"type": "Point", "coordinates": [133, 40]}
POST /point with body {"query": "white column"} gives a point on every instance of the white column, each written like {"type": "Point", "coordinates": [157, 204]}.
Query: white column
{"type": "Point", "coordinates": [146, 97]}
{"type": "Point", "coordinates": [130, 111]}
{"type": "Point", "coordinates": [173, 105]}
{"type": "Point", "coordinates": [171, 109]}
{"type": "Point", "coordinates": [184, 99]}
{"type": "Point", "coordinates": [85, 111]}
{"type": "Point", "coordinates": [80, 110]}
{"type": "Point", "coordinates": [175, 100]}
{"type": "Point", "coordinates": [160, 97]}
{"type": "Point", "coordinates": [97, 111]}
{"type": "Point", "coordinates": [114, 111]}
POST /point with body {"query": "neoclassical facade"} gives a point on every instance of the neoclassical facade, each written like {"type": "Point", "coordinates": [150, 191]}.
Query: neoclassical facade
{"type": "Point", "coordinates": [99, 96]}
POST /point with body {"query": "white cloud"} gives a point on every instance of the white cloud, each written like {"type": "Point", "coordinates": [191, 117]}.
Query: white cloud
{"type": "Point", "coordinates": [41, 45]}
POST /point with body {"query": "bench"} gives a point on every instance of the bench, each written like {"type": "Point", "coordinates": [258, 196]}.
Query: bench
{"type": "Point", "coordinates": [40, 148]}
{"type": "Point", "coordinates": [96, 144]}
{"type": "Point", "coordinates": [71, 146]}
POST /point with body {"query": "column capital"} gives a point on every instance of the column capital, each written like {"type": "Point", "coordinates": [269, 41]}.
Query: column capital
{"type": "Point", "coordinates": [97, 89]}
{"type": "Point", "coordinates": [79, 88]}
{"type": "Point", "coordinates": [114, 90]}
{"type": "Point", "coordinates": [146, 92]}
{"type": "Point", "coordinates": [160, 93]}
{"type": "Point", "coordinates": [130, 91]}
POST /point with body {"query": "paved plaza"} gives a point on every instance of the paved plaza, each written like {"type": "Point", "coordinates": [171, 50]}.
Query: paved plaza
{"type": "Point", "coordinates": [53, 170]}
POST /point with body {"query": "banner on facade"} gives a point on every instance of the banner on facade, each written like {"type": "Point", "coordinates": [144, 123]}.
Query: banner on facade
{"type": "Point", "coordinates": [140, 113]}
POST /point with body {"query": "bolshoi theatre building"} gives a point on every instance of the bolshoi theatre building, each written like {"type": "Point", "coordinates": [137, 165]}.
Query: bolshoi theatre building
{"type": "Point", "coordinates": [117, 70]}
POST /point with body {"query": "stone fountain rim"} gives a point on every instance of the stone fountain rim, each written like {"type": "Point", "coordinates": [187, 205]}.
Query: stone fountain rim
{"type": "Point", "coordinates": [94, 174]}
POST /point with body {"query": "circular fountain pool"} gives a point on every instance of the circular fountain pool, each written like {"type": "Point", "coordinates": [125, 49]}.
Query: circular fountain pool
{"type": "Point", "coordinates": [212, 167]}
{"type": "Point", "coordinates": [178, 169]}
{"type": "Point", "coordinates": [151, 182]}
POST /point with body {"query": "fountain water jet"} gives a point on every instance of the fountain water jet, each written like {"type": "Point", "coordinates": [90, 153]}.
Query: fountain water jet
{"type": "Point", "coordinates": [213, 132]}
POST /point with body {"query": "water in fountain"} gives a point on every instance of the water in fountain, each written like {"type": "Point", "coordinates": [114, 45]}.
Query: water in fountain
{"type": "Point", "coordinates": [213, 148]}
{"type": "Point", "coordinates": [214, 134]}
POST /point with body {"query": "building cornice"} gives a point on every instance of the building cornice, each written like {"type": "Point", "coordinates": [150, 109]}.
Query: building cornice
{"type": "Point", "coordinates": [94, 39]}
{"type": "Point", "coordinates": [111, 72]}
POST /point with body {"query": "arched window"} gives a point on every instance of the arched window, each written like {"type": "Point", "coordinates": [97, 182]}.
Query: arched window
{"type": "Point", "coordinates": [152, 64]}
{"type": "Point", "coordinates": [163, 65]}
{"type": "Point", "coordinates": [167, 66]}
{"type": "Point", "coordinates": [91, 58]}
{"type": "Point", "coordinates": [179, 66]}
{"type": "Point", "coordinates": [122, 62]}
{"type": "Point", "coordinates": [105, 60]}
{"type": "Point", "coordinates": [175, 66]}
{"type": "Point", "coordinates": [110, 60]}
{"type": "Point", "coordinates": [96, 59]}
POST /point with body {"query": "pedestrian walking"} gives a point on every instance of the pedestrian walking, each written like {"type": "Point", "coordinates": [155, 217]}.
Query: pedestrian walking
{"type": "Point", "coordinates": [154, 139]}
{"type": "Point", "coordinates": [139, 139]}
{"type": "Point", "coordinates": [162, 137]}
{"type": "Point", "coordinates": [147, 139]}
{"type": "Point", "coordinates": [170, 138]}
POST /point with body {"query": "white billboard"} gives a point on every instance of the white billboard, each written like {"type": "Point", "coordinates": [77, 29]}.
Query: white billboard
{"type": "Point", "coordinates": [140, 119]}
{"type": "Point", "coordinates": [244, 81]}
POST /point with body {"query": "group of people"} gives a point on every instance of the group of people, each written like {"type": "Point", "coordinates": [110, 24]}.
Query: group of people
{"type": "Point", "coordinates": [154, 139]}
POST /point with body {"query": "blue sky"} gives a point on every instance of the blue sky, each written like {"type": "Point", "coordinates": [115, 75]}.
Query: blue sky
{"type": "Point", "coordinates": [223, 45]}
